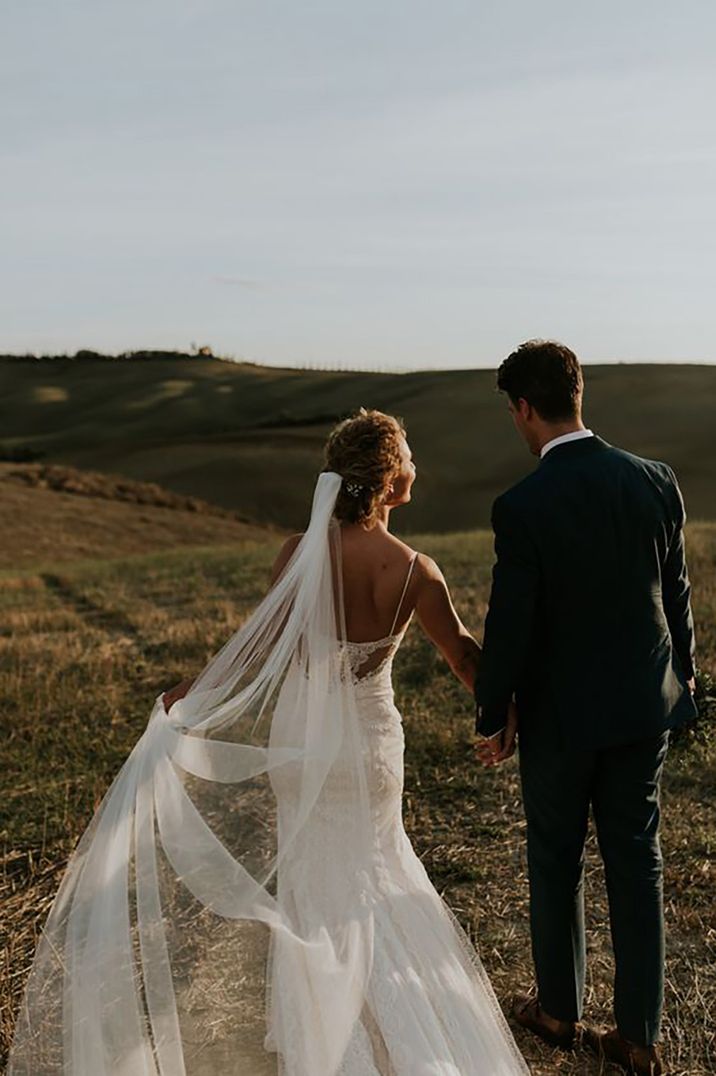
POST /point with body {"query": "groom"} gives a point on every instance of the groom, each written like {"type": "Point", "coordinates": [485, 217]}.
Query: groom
{"type": "Point", "coordinates": [590, 629]}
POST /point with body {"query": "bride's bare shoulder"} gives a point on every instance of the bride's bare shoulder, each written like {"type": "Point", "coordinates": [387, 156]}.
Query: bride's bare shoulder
{"type": "Point", "coordinates": [426, 569]}
{"type": "Point", "coordinates": [430, 580]}
{"type": "Point", "coordinates": [427, 576]}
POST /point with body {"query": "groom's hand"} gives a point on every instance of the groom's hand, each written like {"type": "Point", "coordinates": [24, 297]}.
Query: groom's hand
{"type": "Point", "coordinates": [501, 746]}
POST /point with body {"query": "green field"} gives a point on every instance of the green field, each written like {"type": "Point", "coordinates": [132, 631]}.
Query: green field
{"type": "Point", "coordinates": [250, 437]}
{"type": "Point", "coordinates": [86, 644]}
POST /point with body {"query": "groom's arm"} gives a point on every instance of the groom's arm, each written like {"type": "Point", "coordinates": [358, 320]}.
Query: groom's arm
{"type": "Point", "coordinates": [676, 590]}
{"type": "Point", "coordinates": [510, 621]}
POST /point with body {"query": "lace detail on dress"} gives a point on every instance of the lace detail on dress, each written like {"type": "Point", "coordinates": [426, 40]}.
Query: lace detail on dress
{"type": "Point", "coordinates": [359, 656]}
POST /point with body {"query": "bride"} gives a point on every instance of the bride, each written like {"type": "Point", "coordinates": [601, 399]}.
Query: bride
{"type": "Point", "coordinates": [246, 899]}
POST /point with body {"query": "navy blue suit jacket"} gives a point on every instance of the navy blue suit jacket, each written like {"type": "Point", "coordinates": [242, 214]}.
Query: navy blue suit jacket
{"type": "Point", "coordinates": [589, 621]}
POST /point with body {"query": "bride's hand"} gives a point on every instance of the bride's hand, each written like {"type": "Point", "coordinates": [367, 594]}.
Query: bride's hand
{"type": "Point", "coordinates": [498, 748]}
{"type": "Point", "coordinates": [175, 693]}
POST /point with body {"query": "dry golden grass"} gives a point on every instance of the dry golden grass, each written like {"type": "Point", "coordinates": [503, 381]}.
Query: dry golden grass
{"type": "Point", "coordinates": [86, 646]}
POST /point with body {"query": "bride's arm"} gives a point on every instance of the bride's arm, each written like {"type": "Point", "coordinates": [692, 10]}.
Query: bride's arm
{"type": "Point", "coordinates": [438, 617]}
{"type": "Point", "coordinates": [175, 693]}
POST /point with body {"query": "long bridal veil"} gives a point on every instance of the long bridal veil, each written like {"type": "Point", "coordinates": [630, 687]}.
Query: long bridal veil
{"type": "Point", "coordinates": [201, 926]}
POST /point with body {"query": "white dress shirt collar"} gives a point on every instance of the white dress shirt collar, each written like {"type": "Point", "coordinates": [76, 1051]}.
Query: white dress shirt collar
{"type": "Point", "coordinates": [575, 435]}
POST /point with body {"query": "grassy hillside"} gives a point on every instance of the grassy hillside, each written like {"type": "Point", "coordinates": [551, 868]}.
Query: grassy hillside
{"type": "Point", "coordinates": [250, 437]}
{"type": "Point", "coordinates": [84, 650]}
{"type": "Point", "coordinates": [53, 514]}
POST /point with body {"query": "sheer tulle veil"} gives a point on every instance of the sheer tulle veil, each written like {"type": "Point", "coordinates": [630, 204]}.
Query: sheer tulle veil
{"type": "Point", "coordinates": [181, 910]}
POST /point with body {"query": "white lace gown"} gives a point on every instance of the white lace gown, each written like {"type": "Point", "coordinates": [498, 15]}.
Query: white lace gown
{"type": "Point", "coordinates": [430, 1009]}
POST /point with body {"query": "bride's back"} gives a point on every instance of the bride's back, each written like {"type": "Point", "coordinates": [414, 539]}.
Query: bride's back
{"type": "Point", "coordinates": [375, 570]}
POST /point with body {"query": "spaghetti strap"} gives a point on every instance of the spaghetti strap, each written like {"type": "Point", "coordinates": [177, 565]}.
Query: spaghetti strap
{"type": "Point", "coordinates": [405, 589]}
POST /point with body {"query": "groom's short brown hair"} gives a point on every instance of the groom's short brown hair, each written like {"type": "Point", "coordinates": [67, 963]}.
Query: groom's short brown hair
{"type": "Point", "coordinates": [546, 374]}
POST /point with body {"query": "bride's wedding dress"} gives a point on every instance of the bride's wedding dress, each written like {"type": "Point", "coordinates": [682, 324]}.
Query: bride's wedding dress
{"type": "Point", "coordinates": [429, 1008]}
{"type": "Point", "coordinates": [246, 901]}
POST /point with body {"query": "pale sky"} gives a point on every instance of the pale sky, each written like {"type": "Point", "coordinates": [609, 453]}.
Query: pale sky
{"type": "Point", "coordinates": [406, 184]}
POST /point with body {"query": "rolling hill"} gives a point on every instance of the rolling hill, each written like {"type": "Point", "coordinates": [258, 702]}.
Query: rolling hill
{"type": "Point", "coordinates": [249, 438]}
{"type": "Point", "coordinates": [52, 515]}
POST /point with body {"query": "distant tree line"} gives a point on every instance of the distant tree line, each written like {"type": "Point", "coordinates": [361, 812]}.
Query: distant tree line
{"type": "Point", "coordinates": [205, 351]}
{"type": "Point", "coordinates": [86, 355]}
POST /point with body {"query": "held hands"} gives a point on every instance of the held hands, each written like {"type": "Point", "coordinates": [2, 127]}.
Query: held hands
{"type": "Point", "coordinates": [502, 746]}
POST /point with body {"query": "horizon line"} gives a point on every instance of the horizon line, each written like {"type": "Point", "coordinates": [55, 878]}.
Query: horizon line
{"type": "Point", "coordinates": [309, 366]}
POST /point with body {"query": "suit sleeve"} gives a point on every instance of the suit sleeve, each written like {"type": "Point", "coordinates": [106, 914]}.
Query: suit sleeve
{"type": "Point", "coordinates": [510, 621]}
{"type": "Point", "coordinates": [676, 590]}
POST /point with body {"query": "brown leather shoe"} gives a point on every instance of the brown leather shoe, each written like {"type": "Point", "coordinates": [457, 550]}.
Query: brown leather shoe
{"type": "Point", "coordinates": [527, 1012]}
{"type": "Point", "coordinates": [610, 1045]}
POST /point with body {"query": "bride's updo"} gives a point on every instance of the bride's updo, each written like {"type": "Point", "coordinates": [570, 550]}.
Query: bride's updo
{"type": "Point", "coordinates": [366, 450]}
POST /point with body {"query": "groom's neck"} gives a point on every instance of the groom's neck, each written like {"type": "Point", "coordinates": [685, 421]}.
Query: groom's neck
{"type": "Point", "coordinates": [549, 430]}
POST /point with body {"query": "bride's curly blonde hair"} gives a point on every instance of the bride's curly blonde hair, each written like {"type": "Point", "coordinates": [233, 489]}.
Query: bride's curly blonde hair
{"type": "Point", "coordinates": [365, 450]}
